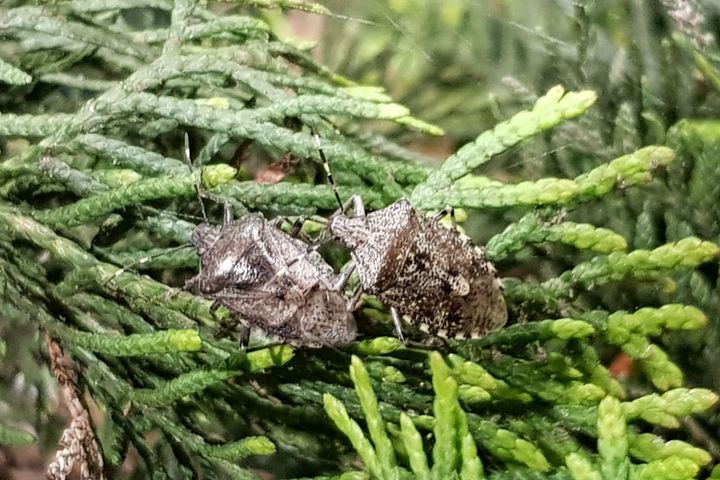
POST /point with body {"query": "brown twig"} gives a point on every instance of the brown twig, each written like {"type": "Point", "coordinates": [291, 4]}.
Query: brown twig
{"type": "Point", "coordinates": [701, 436]}
{"type": "Point", "coordinates": [78, 445]}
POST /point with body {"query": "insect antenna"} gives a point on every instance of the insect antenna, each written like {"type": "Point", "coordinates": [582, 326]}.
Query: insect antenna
{"type": "Point", "coordinates": [326, 166]}
{"type": "Point", "coordinates": [148, 258]}
{"type": "Point", "coordinates": [144, 260]}
{"type": "Point", "coordinates": [188, 160]}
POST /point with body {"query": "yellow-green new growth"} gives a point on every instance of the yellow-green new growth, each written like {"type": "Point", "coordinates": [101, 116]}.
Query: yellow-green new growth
{"type": "Point", "coordinates": [454, 452]}
{"type": "Point", "coordinates": [471, 467]}
{"type": "Point", "coordinates": [414, 448]}
{"type": "Point", "coordinates": [538, 227]}
{"type": "Point", "coordinates": [550, 110]}
{"type": "Point", "coordinates": [194, 382]}
{"type": "Point", "coordinates": [649, 447]}
{"type": "Point", "coordinates": [214, 175]}
{"type": "Point", "coordinates": [472, 395]}
{"type": "Point", "coordinates": [581, 468]}
{"type": "Point", "coordinates": [236, 58]}
{"type": "Point", "coordinates": [480, 192]}
{"type": "Point", "coordinates": [612, 440]}
{"type": "Point", "coordinates": [274, 356]}
{"type": "Point", "coordinates": [630, 331]}
{"type": "Point", "coordinates": [376, 426]}
{"type": "Point", "coordinates": [339, 415]}
{"type": "Point", "coordinates": [686, 253]}
{"type": "Point", "coordinates": [90, 208]}
{"type": "Point", "coordinates": [587, 237]}
{"type": "Point", "coordinates": [510, 446]}
{"type": "Point", "coordinates": [665, 409]}
{"type": "Point", "coordinates": [116, 176]}
{"type": "Point", "coordinates": [667, 468]}
{"type": "Point", "coordinates": [446, 452]}
{"type": "Point", "coordinates": [233, 451]}
{"type": "Point", "coordinates": [653, 321]}
{"type": "Point", "coordinates": [136, 344]}
{"type": "Point", "coordinates": [471, 374]}
{"type": "Point", "coordinates": [655, 363]}
{"type": "Point", "coordinates": [542, 330]}
{"type": "Point", "coordinates": [180, 387]}
{"type": "Point", "coordinates": [378, 346]}
{"type": "Point", "coordinates": [454, 449]}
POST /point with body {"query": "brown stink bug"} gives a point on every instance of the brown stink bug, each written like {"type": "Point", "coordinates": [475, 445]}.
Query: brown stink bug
{"type": "Point", "coordinates": [268, 279]}
{"type": "Point", "coordinates": [272, 282]}
{"type": "Point", "coordinates": [431, 276]}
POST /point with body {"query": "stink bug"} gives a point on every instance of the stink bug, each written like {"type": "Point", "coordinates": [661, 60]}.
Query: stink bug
{"type": "Point", "coordinates": [431, 276]}
{"type": "Point", "coordinates": [271, 282]}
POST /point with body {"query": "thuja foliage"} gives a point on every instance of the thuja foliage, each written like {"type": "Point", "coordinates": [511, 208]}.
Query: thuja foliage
{"type": "Point", "coordinates": [654, 66]}
{"type": "Point", "coordinates": [454, 452]}
{"type": "Point", "coordinates": [653, 62]}
{"type": "Point", "coordinates": [99, 96]}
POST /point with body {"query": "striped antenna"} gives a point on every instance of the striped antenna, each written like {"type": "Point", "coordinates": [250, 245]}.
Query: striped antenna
{"type": "Point", "coordinates": [326, 165]}
{"type": "Point", "coordinates": [188, 160]}
{"type": "Point", "coordinates": [148, 258]}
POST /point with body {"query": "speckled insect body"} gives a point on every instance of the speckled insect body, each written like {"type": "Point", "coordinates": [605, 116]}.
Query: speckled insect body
{"type": "Point", "coordinates": [270, 281]}
{"type": "Point", "coordinates": [431, 276]}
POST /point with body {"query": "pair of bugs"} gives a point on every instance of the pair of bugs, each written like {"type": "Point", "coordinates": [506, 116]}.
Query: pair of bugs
{"type": "Point", "coordinates": [429, 275]}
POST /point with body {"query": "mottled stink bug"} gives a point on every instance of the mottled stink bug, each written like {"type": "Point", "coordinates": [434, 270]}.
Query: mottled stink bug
{"type": "Point", "coordinates": [272, 282]}
{"type": "Point", "coordinates": [269, 280]}
{"type": "Point", "coordinates": [431, 276]}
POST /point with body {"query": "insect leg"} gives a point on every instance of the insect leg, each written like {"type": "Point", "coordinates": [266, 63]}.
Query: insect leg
{"type": "Point", "coordinates": [295, 227]}
{"type": "Point", "coordinates": [445, 212]}
{"type": "Point", "coordinates": [227, 213]}
{"type": "Point", "coordinates": [278, 222]}
{"type": "Point", "coordinates": [397, 321]}
{"type": "Point", "coordinates": [244, 337]}
{"type": "Point", "coordinates": [142, 261]}
{"type": "Point", "coordinates": [266, 346]}
{"type": "Point", "coordinates": [344, 276]}
{"type": "Point", "coordinates": [355, 299]}
{"type": "Point", "coordinates": [224, 326]}
{"type": "Point", "coordinates": [227, 326]}
{"type": "Point", "coordinates": [358, 205]}
{"type": "Point", "coordinates": [342, 280]}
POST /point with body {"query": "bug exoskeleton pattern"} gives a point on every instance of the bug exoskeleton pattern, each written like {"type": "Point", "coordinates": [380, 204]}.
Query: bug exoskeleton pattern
{"type": "Point", "coordinates": [271, 282]}
{"type": "Point", "coordinates": [429, 275]}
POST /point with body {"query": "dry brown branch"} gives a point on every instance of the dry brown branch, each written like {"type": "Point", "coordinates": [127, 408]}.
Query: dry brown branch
{"type": "Point", "coordinates": [78, 445]}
